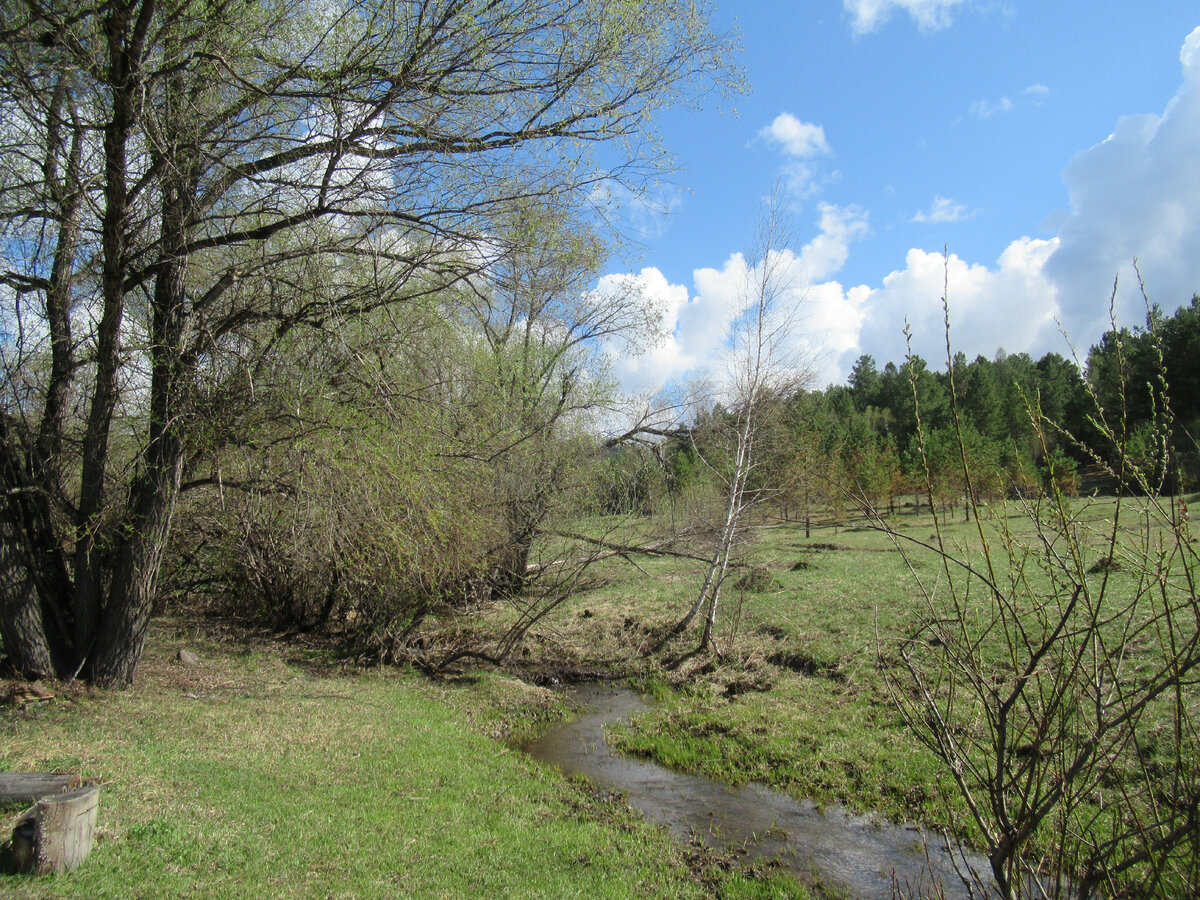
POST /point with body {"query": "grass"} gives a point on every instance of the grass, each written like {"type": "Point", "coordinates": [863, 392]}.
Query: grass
{"type": "Point", "coordinates": [256, 775]}
{"type": "Point", "coordinates": [799, 699]}
{"type": "Point", "coordinates": [252, 776]}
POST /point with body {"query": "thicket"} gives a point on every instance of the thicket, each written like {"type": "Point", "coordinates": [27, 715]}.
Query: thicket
{"type": "Point", "coordinates": [195, 195]}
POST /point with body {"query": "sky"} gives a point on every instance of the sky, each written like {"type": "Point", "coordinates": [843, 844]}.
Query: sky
{"type": "Point", "coordinates": [1017, 156]}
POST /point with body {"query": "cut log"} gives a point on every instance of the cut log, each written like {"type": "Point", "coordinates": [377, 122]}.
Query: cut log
{"type": "Point", "coordinates": [55, 835]}
{"type": "Point", "coordinates": [65, 824]}
{"type": "Point", "coordinates": [26, 787]}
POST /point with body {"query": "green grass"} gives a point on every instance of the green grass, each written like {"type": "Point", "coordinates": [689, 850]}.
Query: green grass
{"type": "Point", "coordinates": [799, 700]}
{"type": "Point", "coordinates": [254, 776]}
{"type": "Point", "coordinates": [249, 777]}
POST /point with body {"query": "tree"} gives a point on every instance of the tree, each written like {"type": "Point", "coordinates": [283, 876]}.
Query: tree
{"type": "Point", "coordinates": [763, 370]}
{"type": "Point", "coordinates": [190, 160]}
{"type": "Point", "coordinates": [864, 382]}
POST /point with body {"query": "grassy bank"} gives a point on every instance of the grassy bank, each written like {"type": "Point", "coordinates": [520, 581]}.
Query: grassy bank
{"type": "Point", "coordinates": [799, 699]}
{"type": "Point", "coordinates": [252, 776]}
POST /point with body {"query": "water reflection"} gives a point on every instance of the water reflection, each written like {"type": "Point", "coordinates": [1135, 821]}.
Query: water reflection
{"type": "Point", "coordinates": [853, 853]}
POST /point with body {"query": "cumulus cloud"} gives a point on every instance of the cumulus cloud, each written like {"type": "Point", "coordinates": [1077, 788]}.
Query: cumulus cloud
{"type": "Point", "coordinates": [797, 138]}
{"type": "Point", "coordinates": [698, 323]}
{"type": "Point", "coordinates": [1011, 304]}
{"type": "Point", "coordinates": [870, 15]}
{"type": "Point", "coordinates": [803, 143]}
{"type": "Point", "coordinates": [665, 358]}
{"type": "Point", "coordinates": [944, 209]}
{"type": "Point", "coordinates": [1134, 195]}
{"type": "Point", "coordinates": [827, 252]}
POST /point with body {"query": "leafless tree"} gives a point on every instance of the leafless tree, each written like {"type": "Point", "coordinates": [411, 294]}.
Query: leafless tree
{"type": "Point", "coordinates": [764, 366]}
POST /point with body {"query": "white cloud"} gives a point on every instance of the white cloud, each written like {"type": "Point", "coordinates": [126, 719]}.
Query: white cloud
{"type": "Point", "coordinates": [698, 325]}
{"type": "Point", "coordinates": [1011, 305]}
{"type": "Point", "coordinates": [870, 15]}
{"type": "Point", "coordinates": [1189, 54]}
{"type": "Point", "coordinates": [797, 138]}
{"type": "Point", "coordinates": [827, 252]}
{"type": "Point", "coordinates": [1030, 96]}
{"type": "Point", "coordinates": [666, 358]}
{"type": "Point", "coordinates": [1136, 194]}
{"type": "Point", "coordinates": [944, 209]}
{"type": "Point", "coordinates": [804, 143]}
{"type": "Point", "coordinates": [985, 109]}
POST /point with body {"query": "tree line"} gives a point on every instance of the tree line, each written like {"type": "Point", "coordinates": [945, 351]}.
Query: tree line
{"type": "Point", "coordinates": [1022, 423]}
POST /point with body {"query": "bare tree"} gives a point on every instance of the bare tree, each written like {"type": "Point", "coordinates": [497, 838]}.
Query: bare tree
{"type": "Point", "coordinates": [764, 367]}
{"type": "Point", "coordinates": [182, 161]}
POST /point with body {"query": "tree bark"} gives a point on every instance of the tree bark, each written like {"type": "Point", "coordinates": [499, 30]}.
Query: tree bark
{"type": "Point", "coordinates": [33, 571]}
{"type": "Point", "coordinates": [21, 628]}
{"type": "Point", "coordinates": [125, 37]}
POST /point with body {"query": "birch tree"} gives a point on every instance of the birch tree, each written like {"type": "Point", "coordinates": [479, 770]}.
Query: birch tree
{"type": "Point", "coordinates": [763, 367]}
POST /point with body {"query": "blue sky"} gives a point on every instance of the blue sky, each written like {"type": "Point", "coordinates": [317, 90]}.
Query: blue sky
{"type": "Point", "coordinates": [1045, 144]}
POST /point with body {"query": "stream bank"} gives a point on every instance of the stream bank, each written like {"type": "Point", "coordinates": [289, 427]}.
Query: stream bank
{"type": "Point", "coordinates": [863, 856]}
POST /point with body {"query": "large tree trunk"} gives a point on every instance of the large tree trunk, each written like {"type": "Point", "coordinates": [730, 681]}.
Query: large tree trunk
{"type": "Point", "coordinates": [125, 38]}
{"type": "Point", "coordinates": [21, 628]}
{"type": "Point", "coordinates": [122, 633]}
{"type": "Point", "coordinates": [142, 542]}
{"type": "Point", "coordinates": [34, 580]}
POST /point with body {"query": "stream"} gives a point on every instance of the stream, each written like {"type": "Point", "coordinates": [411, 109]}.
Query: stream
{"type": "Point", "coordinates": [859, 855]}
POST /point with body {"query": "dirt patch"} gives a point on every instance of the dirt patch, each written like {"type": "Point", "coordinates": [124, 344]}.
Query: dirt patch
{"type": "Point", "coordinates": [1104, 565]}
{"type": "Point", "coordinates": [740, 686]}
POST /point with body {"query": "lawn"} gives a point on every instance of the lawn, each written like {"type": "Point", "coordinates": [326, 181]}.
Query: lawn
{"type": "Point", "coordinates": [269, 770]}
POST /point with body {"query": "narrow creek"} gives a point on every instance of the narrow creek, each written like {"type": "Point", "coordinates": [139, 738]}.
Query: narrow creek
{"type": "Point", "coordinates": [855, 854]}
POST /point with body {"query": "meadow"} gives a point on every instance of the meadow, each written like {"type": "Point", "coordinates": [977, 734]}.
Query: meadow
{"type": "Point", "coordinates": [273, 768]}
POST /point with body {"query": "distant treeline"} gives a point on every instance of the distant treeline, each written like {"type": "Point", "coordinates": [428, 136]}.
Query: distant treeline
{"type": "Point", "coordinates": [1023, 422]}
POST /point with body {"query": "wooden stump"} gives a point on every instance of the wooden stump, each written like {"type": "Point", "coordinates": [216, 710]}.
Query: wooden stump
{"type": "Point", "coordinates": [55, 835]}
{"type": "Point", "coordinates": [65, 824]}
{"type": "Point", "coordinates": [27, 787]}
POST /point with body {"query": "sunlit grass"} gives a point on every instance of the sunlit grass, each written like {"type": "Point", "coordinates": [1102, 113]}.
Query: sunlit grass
{"type": "Point", "coordinates": [247, 777]}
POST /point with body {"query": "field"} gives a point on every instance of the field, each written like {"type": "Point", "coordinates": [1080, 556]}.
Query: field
{"type": "Point", "coordinates": [271, 769]}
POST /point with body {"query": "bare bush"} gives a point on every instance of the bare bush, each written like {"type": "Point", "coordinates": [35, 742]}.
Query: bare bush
{"type": "Point", "coordinates": [1060, 695]}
